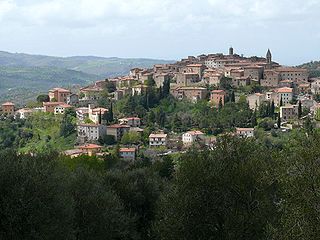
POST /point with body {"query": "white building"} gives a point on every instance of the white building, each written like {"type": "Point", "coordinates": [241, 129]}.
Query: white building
{"type": "Point", "coordinates": [24, 113]}
{"type": "Point", "coordinates": [91, 132]}
{"type": "Point", "coordinates": [191, 137]}
{"type": "Point", "coordinates": [159, 139]}
{"type": "Point", "coordinates": [61, 108]}
{"type": "Point", "coordinates": [245, 132]}
{"type": "Point", "coordinates": [285, 93]}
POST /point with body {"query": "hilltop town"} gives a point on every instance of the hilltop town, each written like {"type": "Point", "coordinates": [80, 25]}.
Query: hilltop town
{"type": "Point", "coordinates": [218, 94]}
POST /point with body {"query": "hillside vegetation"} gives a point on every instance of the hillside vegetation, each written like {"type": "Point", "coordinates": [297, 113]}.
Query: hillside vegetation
{"type": "Point", "coordinates": [314, 67]}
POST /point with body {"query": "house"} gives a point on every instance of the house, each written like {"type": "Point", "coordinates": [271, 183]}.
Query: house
{"type": "Point", "coordinates": [289, 112]}
{"type": "Point", "coordinates": [191, 93]}
{"type": "Point", "coordinates": [218, 96]}
{"type": "Point", "coordinates": [187, 79]}
{"type": "Point", "coordinates": [128, 153]}
{"type": "Point", "coordinates": [117, 131]}
{"type": "Point", "coordinates": [255, 100]}
{"type": "Point", "coordinates": [49, 107]}
{"type": "Point", "coordinates": [285, 94]}
{"type": "Point", "coordinates": [8, 108]}
{"type": "Point", "coordinates": [161, 78]}
{"type": "Point", "coordinates": [131, 121]}
{"type": "Point", "coordinates": [61, 108]}
{"type": "Point", "coordinates": [24, 113]}
{"type": "Point", "coordinates": [82, 113]}
{"type": "Point", "coordinates": [158, 139]}
{"type": "Point", "coordinates": [59, 95]}
{"type": "Point", "coordinates": [91, 132]}
{"type": "Point", "coordinates": [95, 114]}
{"type": "Point", "coordinates": [245, 132]}
{"type": "Point", "coordinates": [191, 137]}
{"type": "Point", "coordinates": [91, 93]}
{"type": "Point", "coordinates": [271, 78]}
{"type": "Point", "coordinates": [73, 153]}
{"type": "Point", "coordinates": [73, 99]}
{"type": "Point", "coordinates": [139, 90]}
{"type": "Point", "coordinates": [315, 85]}
{"type": "Point", "coordinates": [90, 149]}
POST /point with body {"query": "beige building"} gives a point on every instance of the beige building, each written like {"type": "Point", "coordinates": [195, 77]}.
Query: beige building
{"type": "Point", "coordinates": [217, 96]}
{"type": "Point", "coordinates": [191, 137]}
{"type": "Point", "coordinates": [253, 72]}
{"type": "Point", "coordinates": [130, 121]}
{"type": "Point", "coordinates": [187, 79]}
{"type": "Point", "coordinates": [255, 100]}
{"type": "Point", "coordinates": [90, 132]}
{"type": "Point", "coordinates": [8, 108]}
{"type": "Point", "coordinates": [158, 139]}
{"type": "Point", "coordinates": [59, 95]}
{"type": "Point", "coordinates": [117, 131]}
{"type": "Point", "coordinates": [190, 93]}
{"type": "Point", "coordinates": [50, 107]}
{"type": "Point", "coordinates": [293, 73]}
{"type": "Point", "coordinates": [286, 94]}
{"type": "Point", "coordinates": [245, 132]}
{"type": "Point", "coordinates": [271, 78]}
{"type": "Point", "coordinates": [289, 112]}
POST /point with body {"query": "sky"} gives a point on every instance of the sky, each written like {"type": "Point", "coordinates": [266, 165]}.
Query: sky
{"type": "Point", "coordinates": [163, 29]}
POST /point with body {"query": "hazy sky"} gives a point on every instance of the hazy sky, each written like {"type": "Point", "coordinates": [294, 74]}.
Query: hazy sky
{"type": "Point", "coordinates": [167, 29]}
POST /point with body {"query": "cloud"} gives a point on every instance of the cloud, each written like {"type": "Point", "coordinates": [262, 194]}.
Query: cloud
{"type": "Point", "coordinates": [179, 27]}
{"type": "Point", "coordinates": [5, 7]}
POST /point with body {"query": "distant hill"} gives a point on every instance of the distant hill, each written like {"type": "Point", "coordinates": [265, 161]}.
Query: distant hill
{"type": "Point", "coordinates": [20, 84]}
{"type": "Point", "coordinates": [23, 76]}
{"type": "Point", "coordinates": [313, 66]}
{"type": "Point", "coordinates": [104, 67]}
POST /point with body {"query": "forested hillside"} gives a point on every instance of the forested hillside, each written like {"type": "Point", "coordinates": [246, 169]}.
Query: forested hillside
{"type": "Point", "coordinates": [314, 68]}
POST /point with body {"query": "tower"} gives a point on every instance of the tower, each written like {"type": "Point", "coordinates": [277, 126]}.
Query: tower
{"type": "Point", "coordinates": [269, 57]}
{"type": "Point", "coordinates": [231, 51]}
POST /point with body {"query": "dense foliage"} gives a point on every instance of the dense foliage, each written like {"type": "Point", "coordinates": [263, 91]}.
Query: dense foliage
{"type": "Point", "coordinates": [241, 189]}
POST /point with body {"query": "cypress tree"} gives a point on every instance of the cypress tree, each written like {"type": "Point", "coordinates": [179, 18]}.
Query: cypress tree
{"type": "Point", "coordinates": [272, 109]}
{"type": "Point", "coordinates": [300, 110]}
{"type": "Point", "coordinates": [279, 120]}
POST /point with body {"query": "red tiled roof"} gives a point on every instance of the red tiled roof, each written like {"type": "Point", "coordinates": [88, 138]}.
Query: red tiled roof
{"type": "Point", "coordinates": [90, 146]}
{"type": "Point", "coordinates": [127, 149]}
{"type": "Point", "coordinates": [8, 104]}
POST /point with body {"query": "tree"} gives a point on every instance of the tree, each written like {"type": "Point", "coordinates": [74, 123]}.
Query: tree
{"type": "Point", "coordinates": [43, 98]}
{"type": "Point", "coordinates": [166, 87]}
{"type": "Point", "coordinates": [300, 110]}
{"type": "Point", "coordinates": [232, 97]}
{"type": "Point", "coordinates": [254, 119]}
{"type": "Point", "coordinates": [219, 194]}
{"type": "Point", "coordinates": [279, 120]}
{"type": "Point", "coordinates": [35, 202]}
{"type": "Point", "coordinates": [110, 86]}
{"type": "Point", "coordinates": [281, 102]}
{"type": "Point", "coordinates": [272, 109]}
{"type": "Point", "coordinates": [99, 213]}
{"type": "Point", "coordinates": [220, 104]}
{"type": "Point", "coordinates": [108, 115]}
